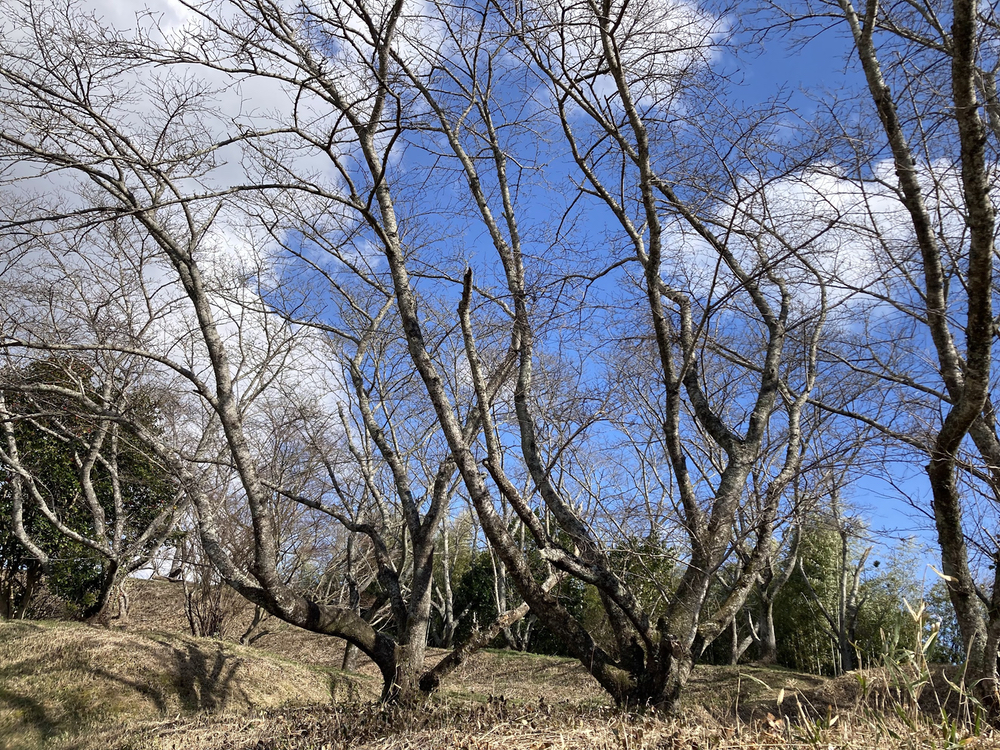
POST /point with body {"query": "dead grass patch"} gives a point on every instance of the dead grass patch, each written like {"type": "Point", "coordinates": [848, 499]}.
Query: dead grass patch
{"type": "Point", "coordinates": [68, 686]}
{"type": "Point", "coordinates": [60, 683]}
{"type": "Point", "coordinates": [505, 725]}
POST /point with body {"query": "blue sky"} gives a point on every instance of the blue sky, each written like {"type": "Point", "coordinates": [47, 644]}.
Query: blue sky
{"type": "Point", "coordinates": [810, 71]}
{"type": "Point", "coordinates": [806, 72]}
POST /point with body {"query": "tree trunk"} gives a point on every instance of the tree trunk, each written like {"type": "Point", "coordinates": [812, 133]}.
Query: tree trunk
{"type": "Point", "coordinates": [768, 644]}
{"type": "Point", "coordinates": [405, 689]}
{"type": "Point", "coordinates": [350, 660]}
{"type": "Point", "coordinates": [99, 612]}
{"type": "Point", "coordinates": [734, 646]}
{"type": "Point", "coordinates": [124, 603]}
{"type": "Point", "coordinates": [13, 603]}
{"type": "Point", "coordinates": [846, 649]}
{"type": "Point", "coordinates": [450, 624]}
{"type": "Point", "coordinates": [658, 683]}
{"type": "Point", "coordinates": [981, 644]}
{"type": "Point", "coordinates": [251, 635]}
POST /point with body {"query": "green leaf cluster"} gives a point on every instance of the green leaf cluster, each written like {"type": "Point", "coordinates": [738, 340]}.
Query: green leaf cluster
{"type": "Point", "coordinates": [51, 433]}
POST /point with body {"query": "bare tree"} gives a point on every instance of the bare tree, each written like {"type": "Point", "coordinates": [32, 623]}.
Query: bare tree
{"type": "Point", "coordinates": [391, 84]}
{"type": "Point", "coordinates": [611, 110]}
{"type": "Point", "coordinates": [141, 162]}
{"type": "Point", "coordinates": [921, 173]}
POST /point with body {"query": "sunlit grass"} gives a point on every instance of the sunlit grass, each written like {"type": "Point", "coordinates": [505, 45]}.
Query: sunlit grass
{"type": "Point", "coordinates": [65, 685]}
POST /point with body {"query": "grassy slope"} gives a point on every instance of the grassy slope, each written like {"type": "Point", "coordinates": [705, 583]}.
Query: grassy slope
{"type": "Point", "coordinates": [66, 685]}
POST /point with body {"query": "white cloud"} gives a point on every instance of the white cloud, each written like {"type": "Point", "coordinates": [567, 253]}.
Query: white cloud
{"type": "Point", "coordinates": [657, 41]}
{"type": "Point", "coordinates": [817, 226]}
{"type": "Point", "coordinates": [109, 283]}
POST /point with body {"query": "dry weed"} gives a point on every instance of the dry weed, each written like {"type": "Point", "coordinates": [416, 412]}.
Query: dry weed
{"type": "Point", "coordinates": [66, 686]}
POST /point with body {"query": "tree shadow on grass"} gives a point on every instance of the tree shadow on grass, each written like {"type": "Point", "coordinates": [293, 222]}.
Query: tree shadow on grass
{"type": "Point", "coordinates": [44, 694]}
{"type": "Point", "coordinates": [47, 693]}
{"type": "Point", "coordinates": [203, 675]}
{"type": "Point", "coordinates": [32, 712]}
{"type": "Point", "coordinates": [343, 687]}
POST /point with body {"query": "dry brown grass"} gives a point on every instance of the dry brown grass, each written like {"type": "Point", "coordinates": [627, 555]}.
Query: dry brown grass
{"type": "Point", "coordinates": [504, 725]}
{"type": "Point", "coordinates": [159, 605]}
{"type": "Point", "coordinates": [68, 686]}
{"type": "Point", "coordinates": [62, 682]}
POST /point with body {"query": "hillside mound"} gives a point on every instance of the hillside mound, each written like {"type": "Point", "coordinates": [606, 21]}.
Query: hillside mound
{"type": "Point", "coordinates": [159, 606]}
{"type": "Point", "coordinates": [145, 684]}
{"type": "Point", "coordinates": [524, 677]}
{"type": "Point", "coordinates": [66, 684]}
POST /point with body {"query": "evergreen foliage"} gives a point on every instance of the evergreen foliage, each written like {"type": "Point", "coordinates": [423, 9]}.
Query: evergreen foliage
{"type": "Point", "coordinates": [51, 437]}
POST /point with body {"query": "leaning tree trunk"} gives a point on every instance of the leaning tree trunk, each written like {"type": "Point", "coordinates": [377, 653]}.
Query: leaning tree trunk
{"type": "Point", "coordinates": [99, 612]}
